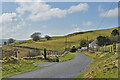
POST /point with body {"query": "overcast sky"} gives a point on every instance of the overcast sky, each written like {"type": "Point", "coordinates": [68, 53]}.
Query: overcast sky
{"type": "Point", "coordinates": [20, 19]}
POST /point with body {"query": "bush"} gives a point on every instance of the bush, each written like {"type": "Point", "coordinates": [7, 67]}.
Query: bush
{"type": "Point", "coordinates": [33, 53]}
{"type": "Point", "coordinates": [10, 59]}
{"type": "Point", "coordinates": [73, 49]}
{"type": "Point", "coordinates": [92, 52]}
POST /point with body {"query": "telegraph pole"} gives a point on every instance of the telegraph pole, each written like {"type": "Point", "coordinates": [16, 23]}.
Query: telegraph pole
{"type": "Point", "coordinates": [65, 42]}
{"type": "Point", "coordinates": [87, 44]}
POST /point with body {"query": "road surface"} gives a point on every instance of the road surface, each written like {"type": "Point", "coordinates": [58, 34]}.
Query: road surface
{"type": "Point", "coordinates": [67, 69]}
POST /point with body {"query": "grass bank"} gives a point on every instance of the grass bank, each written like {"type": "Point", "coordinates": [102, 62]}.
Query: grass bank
{"type": "Point", "coordinates": [105, 65]}
{"type": "Point", "coordinates": [21, 66]}
{"type": "Point", "coordinates": [68, 56]}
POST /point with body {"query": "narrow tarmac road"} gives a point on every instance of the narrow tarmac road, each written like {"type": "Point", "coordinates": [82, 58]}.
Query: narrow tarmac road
{"type": "Point", "coordinates": [67, 69]}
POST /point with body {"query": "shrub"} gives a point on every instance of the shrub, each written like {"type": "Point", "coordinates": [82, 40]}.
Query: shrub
{"type": "Point", "coordinates": [10, 60]}
{"type": "Point", "coordinates": [33, 53]}
{"type": "Point", "coordinates": [73, 49]}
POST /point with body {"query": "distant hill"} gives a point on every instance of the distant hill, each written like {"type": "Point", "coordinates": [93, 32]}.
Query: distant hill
{"type": "Point", "coordinates": [6, 40]}
{"type": "Point", "coordinates": [58, 43]}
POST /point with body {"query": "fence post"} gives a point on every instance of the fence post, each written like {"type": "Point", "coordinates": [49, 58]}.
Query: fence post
{"type": "Point", "coordinates": [114, 47]}
{"type": "Point", "coordinates": [16, 54]}
{"type": "Point", "coordinates": [111, 48]}
{"type": "Point", "coordinates": [45, 53]}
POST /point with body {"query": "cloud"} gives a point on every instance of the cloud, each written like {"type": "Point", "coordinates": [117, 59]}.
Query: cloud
{"type": "Point", "coordinates": [110, 13]}
{"type": "Point", "coordinates": [39, 11]}
{"type": "Point", "coordinates": [8, 18]}
{"type": "Point", "coordinates": [79, 7]}
{"type": "Point", "coordinates": [44, 26]}
{"type": "Point", "coordinates": [100, 9]}
{"type": "Point", "coordinates": [77, 29]}
{"type": "Point", "coordinates": [89, 23]}
{"type": "Point", "coordinates": [74, 25]}
{"type": "Point", "coordinates": [13, 30]}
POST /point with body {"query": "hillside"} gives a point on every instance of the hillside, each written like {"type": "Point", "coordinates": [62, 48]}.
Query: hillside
{"type": "Point", "coordinates": [106, 63]}
{"type": "Point", "coordinates": [6, 40]}
{"type": "Point", "coordinates": [58, 43]}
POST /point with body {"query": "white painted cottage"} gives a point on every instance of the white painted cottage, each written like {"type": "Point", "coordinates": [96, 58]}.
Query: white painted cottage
{"type": "Point", "coordinates": [93, 44]}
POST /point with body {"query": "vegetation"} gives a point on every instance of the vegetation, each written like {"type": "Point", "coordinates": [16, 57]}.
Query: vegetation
{"type": "Point", "coordinates": [66, 57]}
{"type": "Point", "coordinates": [5, 43]}
{"type": "Point", "coordinates": [47, 37]}
{"type": "Point", "coordinates": [21, 66]}
{"type": "Point", "coordinates": [102, 40]}
{"type": "Point", "coordinates": [11, 41]}
{"type": "Point", "coordinates": [115, 32]}
{"type": "Point", "coordinates": [73, 49]}
{"type": "Point", "coordinates": [33, 53]}
{"type": "Point", "coordinates": [83, 43]}
{"type": "Point", "coordinates": [36, 36]}
{"type": "Point", "coordinates": [105, 65]}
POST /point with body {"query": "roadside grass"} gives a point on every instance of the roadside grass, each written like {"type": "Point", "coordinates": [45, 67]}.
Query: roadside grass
{"type": "Point", "coordinates": [10, 69]}
{"type": "Point", "coordinates": [68, 56]}
{"type": "Point", "coordinates": [105, 65]}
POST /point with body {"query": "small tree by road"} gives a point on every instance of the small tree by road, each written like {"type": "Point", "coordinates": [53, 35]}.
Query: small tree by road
{"type": "Point", "coordinates": [5, 43]}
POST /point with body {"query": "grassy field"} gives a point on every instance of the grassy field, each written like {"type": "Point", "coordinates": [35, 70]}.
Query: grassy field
{"type": "Point", "coordinates": [105, 65]}
{"type": "Point", "coordinates": [58, 43]}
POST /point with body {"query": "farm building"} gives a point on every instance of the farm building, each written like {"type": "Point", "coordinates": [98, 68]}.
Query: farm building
{"type": "Point", "coordinates": [93, 44]}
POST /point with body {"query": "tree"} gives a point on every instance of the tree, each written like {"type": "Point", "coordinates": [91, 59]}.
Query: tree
{"type": "Point", "coordinates": [5, 43]}
{"type": "Point", "coordinates": [73, 49]}
{"type": "Point", "coordinates": [47, 37]}
{"type": "Point", "coordinates": [83, 43]}
{"type": "Point", "coordinates": [36, 36]}
{"type": "Point", "coordinates": [11, 40]}
{"type": "Point", "coordinates": [115, 32]}
{"type": "Point", "coordinates": [102, 40]}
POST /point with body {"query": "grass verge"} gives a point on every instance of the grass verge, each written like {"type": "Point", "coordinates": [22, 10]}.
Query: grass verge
{"type": "Point", "coordinates": [105, 65]}
{"type": "Point", "coordinates": [10, 69]}
{"type": "Point", "coordinates": [68, 56]}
